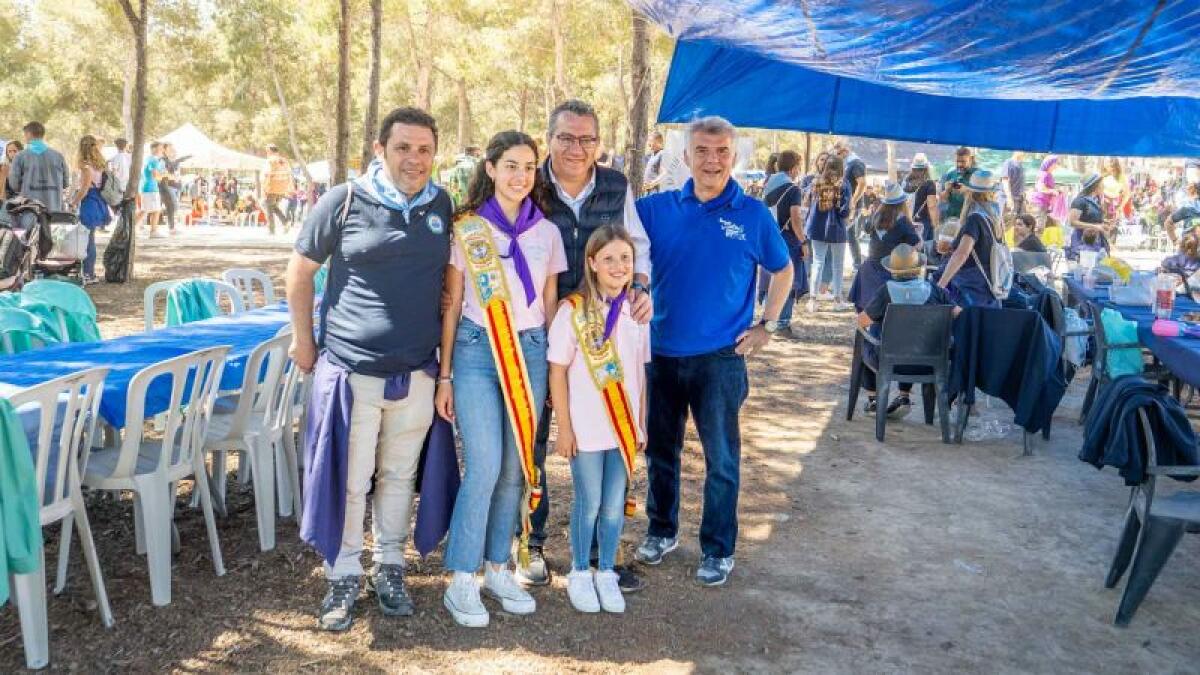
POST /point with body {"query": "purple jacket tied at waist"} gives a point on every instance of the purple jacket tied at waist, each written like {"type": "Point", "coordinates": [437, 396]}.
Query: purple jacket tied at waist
{"type": "Point", "coordinates": [326, 459]}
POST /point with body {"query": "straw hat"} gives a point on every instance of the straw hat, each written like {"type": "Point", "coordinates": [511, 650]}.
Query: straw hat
{"type": "Point", "coordinates": [904, 261]}
{"type": "Point", "coordinates": [920, 161]}
{"type": "Point", "coordinates": [982, 180]}
{"type": "Point", "coordinates": [893, 193]}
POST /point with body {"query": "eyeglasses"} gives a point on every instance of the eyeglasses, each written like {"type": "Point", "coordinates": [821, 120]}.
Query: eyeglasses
{"type": "Point", "coordinates": [584, 142]}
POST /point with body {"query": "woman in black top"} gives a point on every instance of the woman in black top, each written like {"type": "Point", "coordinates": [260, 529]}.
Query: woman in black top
{"type": "Point", "coordinates": [968, 272]}
{"type": "Point", "coordinates": [889, 228]}
{"type": "Point", "coordinates": [1024, 235]}
{"type": "Point", "coordinates": [925, 200]}
{"type": "Point", "coordinates": [1089, 232]}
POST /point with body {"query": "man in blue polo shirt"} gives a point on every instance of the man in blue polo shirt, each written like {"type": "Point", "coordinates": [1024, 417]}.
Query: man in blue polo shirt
{"type": "Point", "coordinates": [706, 242]}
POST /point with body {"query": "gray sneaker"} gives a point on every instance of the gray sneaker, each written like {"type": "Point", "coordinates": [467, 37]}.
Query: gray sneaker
{"type": "Point", "coordinates": [653, 549]}
{"type": "Point", "coordinates": [714, 571]}
{"type": "Point", "coordinates": [337, 610]}
{"type": "Point", "coordinates": [537, 572]}
{"type": "Point", "coordinates": [387, 581]}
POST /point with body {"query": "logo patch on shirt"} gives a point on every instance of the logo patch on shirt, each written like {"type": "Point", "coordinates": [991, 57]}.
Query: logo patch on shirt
{"type": "Point", "coordinates": [435, 224]}
{"type": "Point", "coordinates": [732, 230]}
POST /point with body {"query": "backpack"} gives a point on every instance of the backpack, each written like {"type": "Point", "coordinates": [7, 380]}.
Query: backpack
{"type": "Point", "coordinates": [109, 190]}
{"type": "Point", "coordinates": [12, 254]}
{"type": "Point", "coordinates": [1000, 267]}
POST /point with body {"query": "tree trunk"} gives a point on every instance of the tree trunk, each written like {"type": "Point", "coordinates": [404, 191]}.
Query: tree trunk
{"type": "Point", "coordinates": [341, 144]}
{"type": "Point", "coordinates": [137, 25]}
{"type": "Point", "coordinates": [464, 115]}
{"type": "Point", "coordinates": [371, 119]}
{"type": "Point", "coordinates": [127, 94]}
{"type": "Point", "coordinates": [523, 107]}
{"type": "Point", "coordinates": [638, 113]}
{"type": "Point", "coordinates": [287, 116]}
{"type": "Point", "coordinates": [557, 19]}
{"type": "Point", "coordinates": [422, 62]}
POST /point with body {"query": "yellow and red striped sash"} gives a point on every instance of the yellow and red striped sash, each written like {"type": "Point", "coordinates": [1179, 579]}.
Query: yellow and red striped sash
{"type": "Point", "coordinates": [486, 276]}
{"type": "Point", "coordinates": [604, 364]}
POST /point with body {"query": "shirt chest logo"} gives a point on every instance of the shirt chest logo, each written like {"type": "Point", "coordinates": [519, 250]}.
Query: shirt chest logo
{"type": "Point", "coordinates": [732, 230]}
{"type": "Point", "coordinates": [435, 224]}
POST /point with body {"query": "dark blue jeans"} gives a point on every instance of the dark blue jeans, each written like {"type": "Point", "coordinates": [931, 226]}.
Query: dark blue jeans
{"type": "Point", "coordinates": [712, 387]}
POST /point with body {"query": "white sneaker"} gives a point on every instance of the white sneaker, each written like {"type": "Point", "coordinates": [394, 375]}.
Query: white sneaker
{"type": "Point", "coordinates": [463, 601]}
{"type": "Point", "coordinates": [502, 586]}
{"type": "Point", "coordinates": [812, 304]}
{"type": "Point", "coordinates": [609, 592]}
{"type": "Point", "coordinates": [582, 591]}
{"type": "Point", "coordinates": [841, 306]}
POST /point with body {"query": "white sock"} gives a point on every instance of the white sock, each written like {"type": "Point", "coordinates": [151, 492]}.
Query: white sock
{"type": "Point", "coordinates": [464, 578]}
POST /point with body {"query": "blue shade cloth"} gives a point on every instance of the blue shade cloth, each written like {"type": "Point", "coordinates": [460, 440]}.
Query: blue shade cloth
{"type": "Point", "coordinates": [20, 526]}
{"type": "Point", "coordinates": [919, 70]}
{"type": "Point", "coordinates": [326, 463]}
{"type": "Point", "coordinates": [1010, 354]}
{"type": "Point", "coordinates": [1180, 355]}
{"type": "Point", "coordinates": [191, 300]}
{"type": "Point", "coordinates": [127, 355]}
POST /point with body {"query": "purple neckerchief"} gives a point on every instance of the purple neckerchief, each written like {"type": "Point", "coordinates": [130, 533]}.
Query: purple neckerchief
{"type": "Point", "coordinates": [326, 452]}
{"type": "Point", "coordinates": [527, 217]}
{"type": "Point", "coordinates": [614, 312]}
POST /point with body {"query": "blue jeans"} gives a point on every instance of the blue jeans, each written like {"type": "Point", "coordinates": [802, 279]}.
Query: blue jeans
{"type": "Point", "coordinates": [489, 500]}
{"type": "Point", "coordinates": [599, 510]}
{"type": "Point", "coordinates": [799, 279]}
{"type": "Point", "coordinates": [832, 255]}
{"type": "Point", "coordinates": [713, 387]}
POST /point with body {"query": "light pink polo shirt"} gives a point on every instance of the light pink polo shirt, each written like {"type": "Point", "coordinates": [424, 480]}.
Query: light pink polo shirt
{"type": "Point", "coordinates": [545, 254]}
{"type": "Point", "coordinates": [593, 431]}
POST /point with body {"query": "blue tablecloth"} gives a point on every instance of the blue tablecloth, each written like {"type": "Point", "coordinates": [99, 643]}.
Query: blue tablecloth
{"type": "Point", "coordinates": [1180, 355]}
{"type": "Point", "coordinates": [126, 356]}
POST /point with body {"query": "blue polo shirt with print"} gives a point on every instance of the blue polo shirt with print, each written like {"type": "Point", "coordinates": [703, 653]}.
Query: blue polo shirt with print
{"type": "Point", "coordinates": [705, 258]}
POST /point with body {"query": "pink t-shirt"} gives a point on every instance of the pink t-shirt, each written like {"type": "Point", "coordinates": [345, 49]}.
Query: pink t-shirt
{"type": "Point", "coordinates": [593, 431]}
{"type": "Point", "coordinates": [545, 254]}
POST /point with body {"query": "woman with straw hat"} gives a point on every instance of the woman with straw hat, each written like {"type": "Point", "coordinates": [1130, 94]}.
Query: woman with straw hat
{"type": "Point", "coordinates": [968, 271]}
{"type": "Point", "coordinates": [925, 207]}
{"type": "Point", "coordinates": [889, 228]}
{"type": "Point", "coordinates": [1089, 231]}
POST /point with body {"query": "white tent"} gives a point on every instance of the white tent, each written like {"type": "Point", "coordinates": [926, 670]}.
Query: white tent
{"type": "Point", "coordinates": [207, 153]}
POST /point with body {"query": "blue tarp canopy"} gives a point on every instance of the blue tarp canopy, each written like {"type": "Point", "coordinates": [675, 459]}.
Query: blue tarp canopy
{"type": "Point", "coordinates": [1096, 77]}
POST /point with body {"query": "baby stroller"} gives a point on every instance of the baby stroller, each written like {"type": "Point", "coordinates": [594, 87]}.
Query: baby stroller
{"type": "Point", "coordinates": [24, 236]}
{"type": "Point", "coordinates": [56, 242]}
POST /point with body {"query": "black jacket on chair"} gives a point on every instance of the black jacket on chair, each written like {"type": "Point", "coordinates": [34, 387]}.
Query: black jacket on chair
{"type": "Point", "coordinates": [1112, 437]}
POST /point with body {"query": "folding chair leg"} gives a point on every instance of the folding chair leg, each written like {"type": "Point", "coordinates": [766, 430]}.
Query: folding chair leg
{"type": "Point", "coordinates": [881, 404]}
{"type": "Point", "coordinates": [263, 476]}
{"type": "Point", "coordinates": [1125, 548]}
{"type": "Point", "coordinates": [64, 553]}
{"type": "Point", "coordinates": [928, 400]}
{"type": "Point", "coordinates": [210, 520]}
{"type": "Point", "coordinates": [856, 369]}
{"type": "Point", "coordinates": [943, 403]}
{"type": "Point", "coordinates": [29, 592]}
{"type": "Point", "coordinates": [1157, 544]}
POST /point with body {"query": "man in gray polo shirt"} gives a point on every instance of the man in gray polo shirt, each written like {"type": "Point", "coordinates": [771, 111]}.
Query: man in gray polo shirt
{"type": "Point", "coordinates": [39, 172]}
{"type": "Point", "coordinates": [386, 238]}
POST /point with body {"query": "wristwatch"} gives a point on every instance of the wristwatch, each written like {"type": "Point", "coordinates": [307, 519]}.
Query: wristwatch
{"type": "Point", "coordinates": [771, 326]}
{"type": "Point", "coordinates": [640, 287]}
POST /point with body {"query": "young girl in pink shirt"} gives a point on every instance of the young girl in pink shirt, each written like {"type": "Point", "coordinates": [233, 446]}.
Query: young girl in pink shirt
{"type": "Point", "coordinates": [597, 358]}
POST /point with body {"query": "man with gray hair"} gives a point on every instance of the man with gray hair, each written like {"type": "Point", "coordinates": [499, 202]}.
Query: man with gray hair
{"type": "Point", "coordinates": [585, 197]}
{"type": "Point", "coordinates": [707, 241]}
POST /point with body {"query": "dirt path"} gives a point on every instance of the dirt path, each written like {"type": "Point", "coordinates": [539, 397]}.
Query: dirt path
{"type": "Point", "coordinates": [854, 556]}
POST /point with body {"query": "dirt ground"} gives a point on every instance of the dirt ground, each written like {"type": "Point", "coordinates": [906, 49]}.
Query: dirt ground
{"type": "Point", "coordinates": [854, 556]}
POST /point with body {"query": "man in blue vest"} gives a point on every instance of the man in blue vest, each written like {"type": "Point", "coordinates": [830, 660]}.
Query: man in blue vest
{"type": "Point", "coordinates": [707, 241]}
{"type": "Point", "coordinates": [585, 196]}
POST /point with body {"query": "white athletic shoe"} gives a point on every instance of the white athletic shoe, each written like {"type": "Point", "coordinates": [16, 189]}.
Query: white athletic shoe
{"type": "Point", "coordinates": [463, 601]}
{"type": "Point", "coordinates": [582, 591]}
{"type": "Point", "coordinates": [502, 586]}
{"type": "Point", "coordinates": [609, 592]}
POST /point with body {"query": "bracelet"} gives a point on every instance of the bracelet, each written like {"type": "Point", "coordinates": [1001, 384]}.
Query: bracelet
{"type": "Point", "coordinates": [445, 378]}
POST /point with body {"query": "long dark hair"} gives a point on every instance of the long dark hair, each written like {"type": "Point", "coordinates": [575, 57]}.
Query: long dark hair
{"type": "Point", "coordinates": [482, 187]}
{"type": "Point", "coordinates": [885, 216]}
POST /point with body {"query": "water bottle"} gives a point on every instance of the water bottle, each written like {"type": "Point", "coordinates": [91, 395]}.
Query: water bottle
{"type": "Point", "coordinates": [1164, 295]}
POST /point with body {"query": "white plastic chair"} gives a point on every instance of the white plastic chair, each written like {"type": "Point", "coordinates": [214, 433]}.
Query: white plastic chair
{"type": "Point", "coordinates": [255, 431]}
{"type": "Point", "coordinates": [68, 404]}
{"type": "Point", "coordinates": [150, 297]}
{"type": "Point", "coordinates": [245, 279]}
{"type": "Point", "coordinates": [152, 468]}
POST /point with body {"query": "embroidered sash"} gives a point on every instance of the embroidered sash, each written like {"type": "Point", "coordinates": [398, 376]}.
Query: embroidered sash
{"type": "Point", "coordinates": [604, 364]}
{"type": "Point", "coordinates": [486, 276]}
